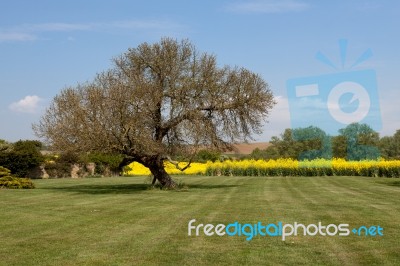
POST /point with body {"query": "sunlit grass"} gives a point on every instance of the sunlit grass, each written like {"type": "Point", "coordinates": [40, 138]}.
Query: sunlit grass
{"type": "Point", "coordinates": [121, 221]}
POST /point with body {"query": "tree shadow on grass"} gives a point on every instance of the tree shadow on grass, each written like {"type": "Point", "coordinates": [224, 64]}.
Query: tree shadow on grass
{"type": "Point", "coordinates": [104, 189]}
{"type": "Point", "coordinates": [206, 186]}
{"type": "Point", "coordinates": [130, 188]}
{"type": "Point", "coordinates": [394, 183]}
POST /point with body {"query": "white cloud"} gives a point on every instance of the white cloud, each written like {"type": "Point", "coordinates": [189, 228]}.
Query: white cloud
{"type": "Point", "coordinates": [55, 27]}
{"type": "Point", "coordinates": [280, 112]}
{"type": "Point", "coordinates": [29, 104]}
{"type": "Point", "coordinates": [390, 112]}
{"type": "Point", "coordinates": [278, 120]}
{"type": "Point", "coordinates": [30, 32]}
{"type": "Point", "coordinates": [140, 24]}
{"type": "Point", "coordinates": [16, 36]}
{"type": "Point", "coordinates": [268, 6]}
{"type": "Point", "coordinates": [123, 24]}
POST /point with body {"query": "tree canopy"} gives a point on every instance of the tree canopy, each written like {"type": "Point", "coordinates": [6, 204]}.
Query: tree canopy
{"type": "Point", "coordinates": [361, 141]}
{"type": "Point", "coordinates": [354, 142]}
{"type": "Point", "coordinates": [299, 143]}
{"type": "Point", "coordinates": [158, 100]}
{"type": "Point", "coordinates": [390, 146]}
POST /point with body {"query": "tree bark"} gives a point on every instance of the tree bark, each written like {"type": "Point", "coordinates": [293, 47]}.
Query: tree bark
{"type": "Point", "coordinates": [156, 167]}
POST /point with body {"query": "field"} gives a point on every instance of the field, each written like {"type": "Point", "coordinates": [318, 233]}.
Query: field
{"type": "Point", "coordinates": [121, 221]}
{"type": "Point", "coordinates": [281, 167]}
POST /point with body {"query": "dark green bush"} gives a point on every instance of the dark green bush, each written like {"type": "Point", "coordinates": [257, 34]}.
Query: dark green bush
{"type": "Point", "coordinates": [68, 158]}
{"type": "Point", "coordinates": [24, 156]}
{"type": "Point", "coordinates": [60, 166]}
{"type": "Point", "coordinates": [58, 169]}
{"type": "Point", "coordinates": [203, 156]}
{"type": "Point", "coordinates": [106, 164]}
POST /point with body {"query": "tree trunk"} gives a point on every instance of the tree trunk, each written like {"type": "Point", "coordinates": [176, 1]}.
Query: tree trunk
{"type": "Point", "coordinates": [157, 169]}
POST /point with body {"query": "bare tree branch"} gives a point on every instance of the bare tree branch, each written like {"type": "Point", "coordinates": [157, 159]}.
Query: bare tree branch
{"type": "Point", "coordinates": [158, 101]}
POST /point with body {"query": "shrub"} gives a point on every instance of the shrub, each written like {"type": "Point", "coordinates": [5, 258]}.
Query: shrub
{"type": "Point", "coordinates": [24, 156]}
{"type": "Point", "coordinates": [207, 155]}
{"type": "Point", "coordinates": [58, 169]}
{"type": "Point", "coordinates": [68, 158]}
{"type": "Point", "coordinates": [60, 166]}
{"type": "Point", "coordinates": [106, 164]}
{"type": "Point", "coordinates": [9, 181]}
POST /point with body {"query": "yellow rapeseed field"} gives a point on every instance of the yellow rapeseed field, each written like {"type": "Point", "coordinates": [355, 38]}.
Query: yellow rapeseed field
{"type": "Point", "coordinates": [194, 169]}
{"type": "Point", "coordinates": [282, 167]}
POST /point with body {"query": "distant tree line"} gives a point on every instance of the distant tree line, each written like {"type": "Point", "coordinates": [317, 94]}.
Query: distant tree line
{"type": "Point", "coordinates": [23, 156]}
{"type": "Point", "coordinates": [354, 142]}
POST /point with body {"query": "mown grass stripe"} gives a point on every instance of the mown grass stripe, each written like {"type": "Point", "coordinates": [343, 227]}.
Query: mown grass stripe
{"type": "Point", "coordinates": [120, 221]}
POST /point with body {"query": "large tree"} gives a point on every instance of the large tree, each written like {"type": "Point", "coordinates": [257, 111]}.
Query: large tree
{"type": "Point", "coordinates": [156, 101]}
{"type": "Point", "coordinates": [313, 143]}
{"type": "Point", "coordinates": [389, 146]}
{"type": "Point", "coordinates": [357, 142]}
{"type": "Point", "coordinates": [299, 143]}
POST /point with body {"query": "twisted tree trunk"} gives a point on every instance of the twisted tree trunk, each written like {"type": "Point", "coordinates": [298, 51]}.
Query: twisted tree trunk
{"type": "Point", "coordinates": [156, 167]}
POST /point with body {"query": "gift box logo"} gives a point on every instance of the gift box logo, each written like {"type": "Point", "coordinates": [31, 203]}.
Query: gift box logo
{"type": "Point", "coordinates": [333, 101]}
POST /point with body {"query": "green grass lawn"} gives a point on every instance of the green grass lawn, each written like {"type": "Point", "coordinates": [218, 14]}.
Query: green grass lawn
{"type": "Point", "coordinates": [120, 221]}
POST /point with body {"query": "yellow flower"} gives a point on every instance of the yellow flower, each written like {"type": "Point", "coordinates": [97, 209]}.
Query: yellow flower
{"type": "Point", "coordinates": [336, 166]}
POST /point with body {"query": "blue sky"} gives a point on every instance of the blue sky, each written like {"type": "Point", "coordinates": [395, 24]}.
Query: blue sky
{"type": "Point", "coordinates": [46, 46]}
